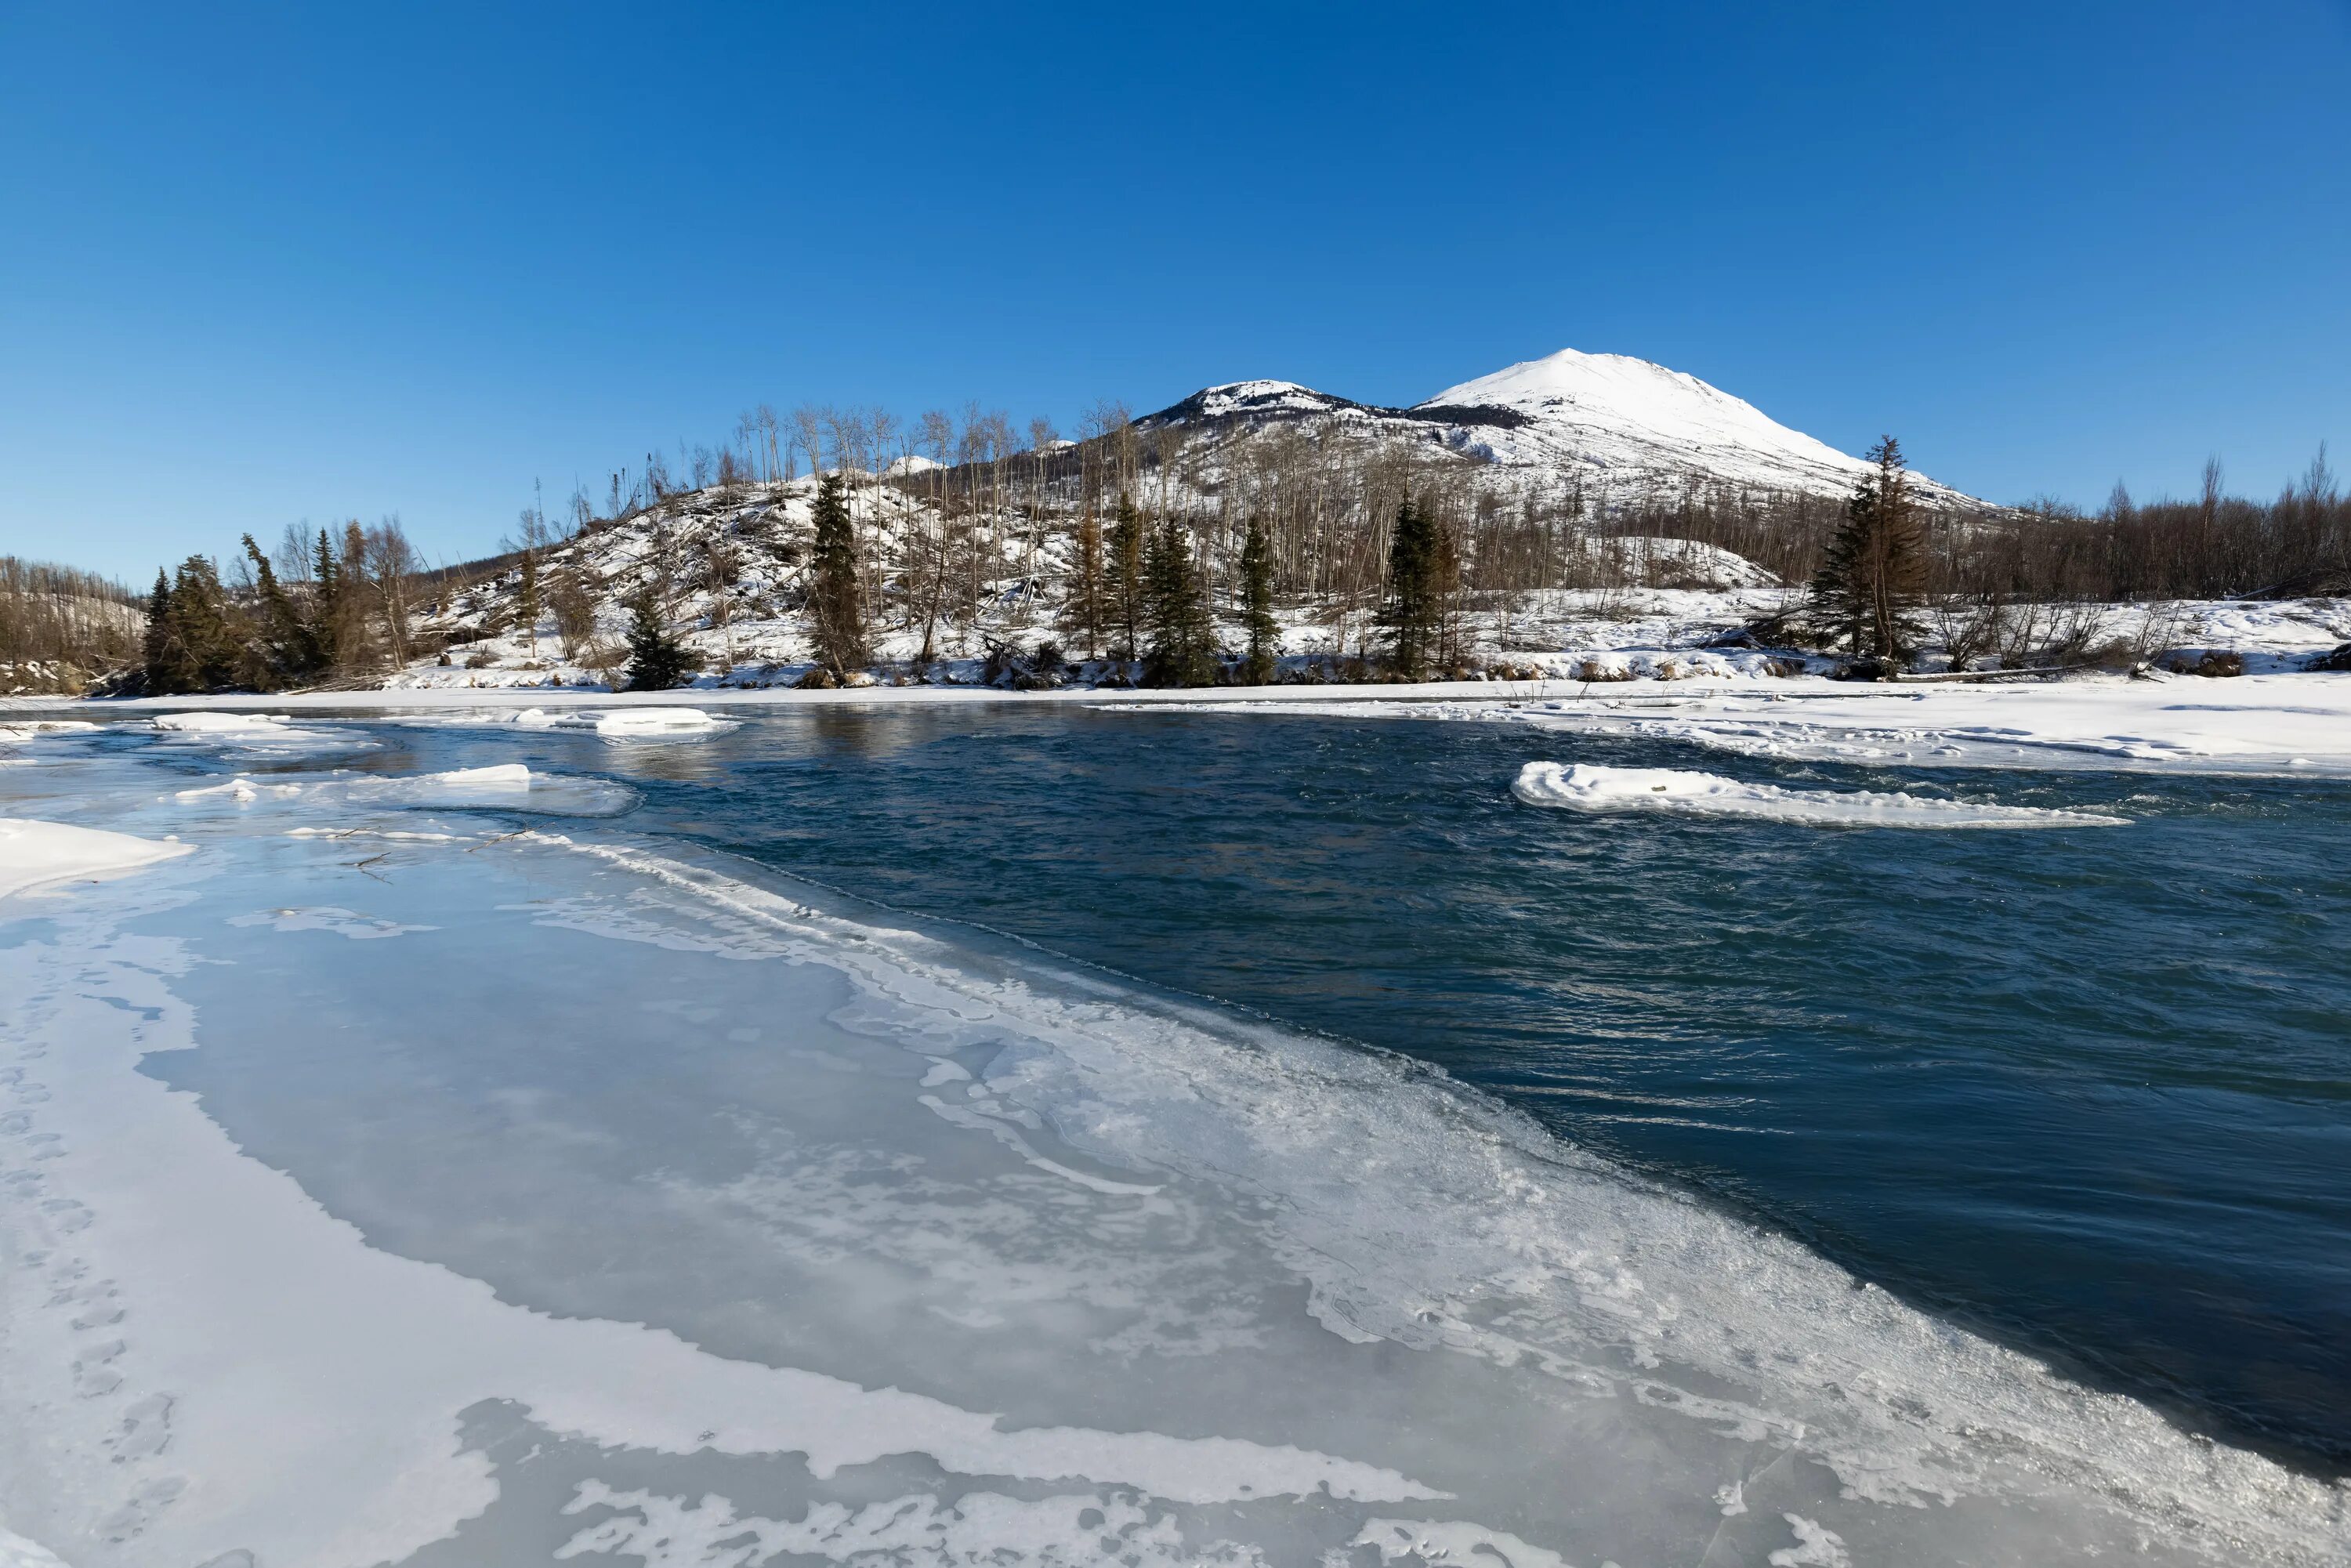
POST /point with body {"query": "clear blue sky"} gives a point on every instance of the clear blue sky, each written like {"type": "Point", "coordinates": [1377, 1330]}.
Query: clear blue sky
{"type": "Point", "coordinates": [262, 264]}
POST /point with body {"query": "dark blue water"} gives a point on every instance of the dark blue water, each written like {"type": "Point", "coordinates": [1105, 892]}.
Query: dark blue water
{"type": "Point", "coordinates": [2088, 1090]}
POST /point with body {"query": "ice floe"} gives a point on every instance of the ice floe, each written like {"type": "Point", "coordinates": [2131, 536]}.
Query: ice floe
{"type": "Point", "coordinates": [34, 852]}
{"type": "Point", "coordinates": [504, 786]}
{"type": "Point", "coordinates": [634, 723]}
{"type": "Point", "coordinates": [257, 734]}
{"type": "Point", "coordinates": [1588, 787]}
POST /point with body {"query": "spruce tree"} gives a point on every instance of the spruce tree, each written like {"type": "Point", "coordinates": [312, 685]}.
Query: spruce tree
{"type": "Point", "coordinates": [657, 660]}
{"type": "Point", "coordinates": [1182, 651]}
{"type": "Point", "coordinates": [1875, 568]}
{"type": "Point", "coordinates": [290, 651]}
{"type": "Point", "coordinates": [161, 669]}
{"type": "Point", "coordinates": [1414, 605]}
{"type": "Point", "coordinates": [1126, 574]}
{"type": "Point", "coordinates": [836, 606]}
{"type": "Point", "coordinates": [1257, 604]}
{"type": "Point", "coordinates": [204, 652]}
{"type": "Point", "coordinates": [326, 605]}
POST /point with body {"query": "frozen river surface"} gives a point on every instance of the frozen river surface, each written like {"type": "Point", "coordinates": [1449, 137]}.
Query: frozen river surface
{"type": "Point", "coordinates": [488, 1146]}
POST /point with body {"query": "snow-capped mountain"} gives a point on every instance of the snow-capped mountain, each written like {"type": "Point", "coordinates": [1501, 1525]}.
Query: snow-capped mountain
{"type": "Point", "coordinates": [1619, 427]}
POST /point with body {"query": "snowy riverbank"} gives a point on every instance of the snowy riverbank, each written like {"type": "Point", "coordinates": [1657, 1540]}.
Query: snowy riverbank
{"type": "Point", "coordinates": [2275, 723]}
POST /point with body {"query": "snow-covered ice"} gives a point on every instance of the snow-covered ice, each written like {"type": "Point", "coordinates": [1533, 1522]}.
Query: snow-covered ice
{"type": "Point", "coordinates": [1590, 787]}
{"type": "Point", "coordinates": [33, 853]}
{"type": "Point", "coordinates": [2255, 725]}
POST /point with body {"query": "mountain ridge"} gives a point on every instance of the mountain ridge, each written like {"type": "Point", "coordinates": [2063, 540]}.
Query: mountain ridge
{"type": "Point", "coordinates": [1612, 423]}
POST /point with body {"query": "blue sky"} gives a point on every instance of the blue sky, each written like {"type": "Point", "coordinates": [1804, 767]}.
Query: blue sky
{"type": "Point", "coordinates": [266, 264]}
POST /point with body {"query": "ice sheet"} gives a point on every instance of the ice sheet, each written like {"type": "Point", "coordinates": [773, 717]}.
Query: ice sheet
{"type": "Point", "coordinates": [505, 786]}
{"type": "Point", "coordinates": [256, 735]}
{"type": "Point", "coordinates": [1589, 787]}
{"type": "Point", "coordinates": [2253, 725]}
{"type": "Point", "coordinates": [1254, 1296]}
{"type": "Point", "coordinates": [636, 723]}
{"type": "Point", "coordinates": [33, 853]}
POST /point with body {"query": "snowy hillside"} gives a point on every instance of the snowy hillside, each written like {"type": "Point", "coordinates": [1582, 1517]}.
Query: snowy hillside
{"type": "Point", "coordinates": [1618, 427]}
{"type": "Point", "coordinates": [1617, 417]}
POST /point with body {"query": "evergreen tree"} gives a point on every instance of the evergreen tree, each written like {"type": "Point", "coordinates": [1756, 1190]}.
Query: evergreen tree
{"type": "Point", "coordinates": [657, 660]}
{"type": "Point", "coordinates": [207, 651]}
{"type": "Point", "coordinates": [157, 664]}
{"type": "Point", "coordinates": [1183, 651]}
{"type": "Point", "coordinates": [1875, 566]}
{"type": "Point", "coordinates": [326, 605]}
{"type": "Point", "coordinates": [1257, 604]}
{"type": "Point", "coordinates": [1415, 600]}
{"type": "Point", "coordinates": [1126, 574]}
{"type": "Point", "coordinates": [836, 606]}
{"type": "Point", "coordinates": [290, 651]}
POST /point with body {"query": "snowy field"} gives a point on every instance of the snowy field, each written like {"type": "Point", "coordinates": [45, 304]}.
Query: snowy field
{"type": "Point", "coordinates": [564, 1196]}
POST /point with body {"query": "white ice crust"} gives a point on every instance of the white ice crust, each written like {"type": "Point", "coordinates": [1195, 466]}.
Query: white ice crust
{"type": "Point", "coordinates": [33, 853]}
{"type": "Point", "coordinates": [1590, 787]}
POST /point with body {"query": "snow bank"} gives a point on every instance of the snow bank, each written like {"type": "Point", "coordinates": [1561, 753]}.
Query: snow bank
{"type": "Point", "coordinates": [33, 852]}
{"type": "Point", "coordinates": [1585, 787]}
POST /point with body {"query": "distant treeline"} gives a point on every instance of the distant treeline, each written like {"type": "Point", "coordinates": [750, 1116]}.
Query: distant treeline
{"type": "Point", "coordinates": [2216, 546]}
{"type": "Point", "coordinates": [60, 627]}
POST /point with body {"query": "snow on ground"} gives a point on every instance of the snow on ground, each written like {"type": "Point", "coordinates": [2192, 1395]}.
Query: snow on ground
{"type": "Point", "coordinates": [2264, 724]}
{"type": "Point", "coordinates": [1588, 787]}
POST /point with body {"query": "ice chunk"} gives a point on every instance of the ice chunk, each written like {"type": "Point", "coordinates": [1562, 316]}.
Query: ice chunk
{"type": "Point", "coordinates": [14, 733]}
{"type": "Point", "coordinates": [498, 776]}
{"type": "Point", "coordinates": [255, 734]}
{"type": "Point", "coordinates": [33, 852]}
{"type": "Point", "coordinates": [240, 789]}
{"type": "Point", "coordinates": [218, 723]}
{"type": "Point", "coordinates": [505, 784]}
{"type": "Point", "coordinates": [1588, 787]}
{"type": "Point", "coordinates": [642, 721]}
